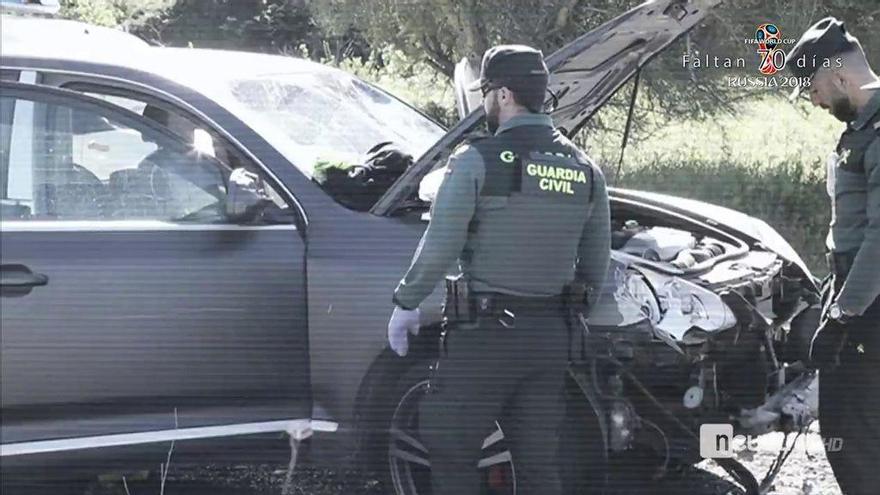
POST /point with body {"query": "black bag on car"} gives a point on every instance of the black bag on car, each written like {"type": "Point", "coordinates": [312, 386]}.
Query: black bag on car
{"type": "Point", "coordinates": [358, 187]}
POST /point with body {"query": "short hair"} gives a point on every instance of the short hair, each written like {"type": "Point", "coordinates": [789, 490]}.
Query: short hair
{"type": "Point", "coordinates": [856, 55]}
{"type": "Point", "coordinates": [533, 101]}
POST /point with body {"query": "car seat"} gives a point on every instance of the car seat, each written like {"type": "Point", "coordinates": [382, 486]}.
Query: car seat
{"type": "Point", "coordinates": [71, 192]}
{"type": "Point", "coordinates": [138, 193]}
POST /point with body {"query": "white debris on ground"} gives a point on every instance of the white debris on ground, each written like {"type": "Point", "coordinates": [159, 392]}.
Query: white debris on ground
{"type": "Point", "coordinates": [806, 472]}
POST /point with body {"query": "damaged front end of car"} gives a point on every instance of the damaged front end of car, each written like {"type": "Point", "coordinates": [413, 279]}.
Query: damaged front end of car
{"type": "Point", "coordinates": [696, 325]}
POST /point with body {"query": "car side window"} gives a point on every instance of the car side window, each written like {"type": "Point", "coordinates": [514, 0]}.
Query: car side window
{"type": "Point", "coordinates": [189, 130]}
{"type": "Point", "coordinates": [70, 161]}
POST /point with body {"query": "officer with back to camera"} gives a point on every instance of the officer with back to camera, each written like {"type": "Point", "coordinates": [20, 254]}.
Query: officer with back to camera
{"type": "Point", "coordinates": [526, 215]}
{"type": "Point", "coordinates": [847, 345]}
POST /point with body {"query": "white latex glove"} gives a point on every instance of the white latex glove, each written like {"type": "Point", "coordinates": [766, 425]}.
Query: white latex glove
{"type": "Point", "coordinates": [402, 321]}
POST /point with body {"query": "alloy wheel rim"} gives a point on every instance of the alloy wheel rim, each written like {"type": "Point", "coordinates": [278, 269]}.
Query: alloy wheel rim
{"type": "Point", "coordinates": [409, 460]}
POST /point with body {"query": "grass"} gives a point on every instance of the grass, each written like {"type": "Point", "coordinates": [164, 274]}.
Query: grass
{"type": "Point", "coordinates": [767, 159]}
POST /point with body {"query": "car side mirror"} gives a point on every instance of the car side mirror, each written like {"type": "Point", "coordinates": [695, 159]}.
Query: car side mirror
{"type": "Point", "coordinates": [246, 196]}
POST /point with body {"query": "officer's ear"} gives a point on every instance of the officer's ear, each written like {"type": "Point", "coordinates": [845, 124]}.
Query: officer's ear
{"type": "Point", "coordinates": [504, 94]}
{"type": "Point", "coordinates": [840, 81]}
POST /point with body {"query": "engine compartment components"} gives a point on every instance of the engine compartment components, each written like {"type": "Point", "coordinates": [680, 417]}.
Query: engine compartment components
{"type": "Point", "coordinates": [693, 397]}
{"type": "Point", "coordinates": [791, 408]}
{"type": "Point", "coordinates": [705, 250]}
{"type": "Point", "coordinates": [677, 248]}
{"type": "Point", "coordinates": [657, 243]}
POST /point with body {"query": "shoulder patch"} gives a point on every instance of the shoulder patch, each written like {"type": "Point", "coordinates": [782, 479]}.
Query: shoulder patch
{"type": "Point", "coordinates": [507, 156]}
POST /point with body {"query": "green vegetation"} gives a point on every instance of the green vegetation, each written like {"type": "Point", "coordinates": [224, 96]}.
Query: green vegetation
{"type": "Point", "coordinates": [112, 12]}
{"type": "Point", "coordinates": [767, 159]}
{"type": "Point", "coordinates": [416, 83]}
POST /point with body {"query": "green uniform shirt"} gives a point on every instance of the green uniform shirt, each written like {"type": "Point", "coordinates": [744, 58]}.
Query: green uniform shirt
{"type": "Point", "coordinates": [855, 223]}
{"type": "Point", "coordinates": [545, 249]}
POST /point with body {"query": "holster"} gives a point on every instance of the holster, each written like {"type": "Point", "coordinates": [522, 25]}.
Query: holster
{"type": "Point", "coordinates": [576, 298]}
{"type": "Point", "coordinates": [459, 307]}
{"type": "Point", "coordinates": [575, 301]}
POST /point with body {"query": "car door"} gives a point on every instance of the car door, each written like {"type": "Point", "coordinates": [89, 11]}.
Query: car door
{"type": "Point", "coordinates": [130, 303]}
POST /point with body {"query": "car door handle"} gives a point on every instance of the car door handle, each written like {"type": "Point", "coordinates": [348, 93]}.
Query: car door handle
{"type": "Point", "coordinates": [19, 280]}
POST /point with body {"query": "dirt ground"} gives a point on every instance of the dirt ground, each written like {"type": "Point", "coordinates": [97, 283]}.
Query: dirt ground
{"type": "Point", "coordinates": [806, 473]}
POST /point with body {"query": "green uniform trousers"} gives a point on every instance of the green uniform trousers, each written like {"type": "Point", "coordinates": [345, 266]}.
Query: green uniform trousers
{"type": "Point", "coordinates": [490, 373]}
{"type": "Point", "coordinates": [849, 407]}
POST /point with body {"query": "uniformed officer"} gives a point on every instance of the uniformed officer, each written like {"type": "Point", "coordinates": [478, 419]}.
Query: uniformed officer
{"type": "Point", "coordinates": [847, 344]}
{"type": "Point", "coordinates": [525, 213]}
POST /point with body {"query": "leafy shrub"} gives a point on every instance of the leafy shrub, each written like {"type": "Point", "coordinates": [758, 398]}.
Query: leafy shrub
{"type": "Point", "coordinates": [416, 83]}
{"type": "Point", "coordinates": [790, 196]}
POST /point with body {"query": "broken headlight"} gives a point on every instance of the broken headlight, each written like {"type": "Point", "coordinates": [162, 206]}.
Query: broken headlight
{"type": "Point", "coordinates": [673, 305]}
{"type": "Point", "coordinates": [686, 305]}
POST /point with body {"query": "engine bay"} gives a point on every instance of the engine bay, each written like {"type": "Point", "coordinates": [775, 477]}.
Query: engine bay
{"type": "Point", "coordinates": [706, 324]}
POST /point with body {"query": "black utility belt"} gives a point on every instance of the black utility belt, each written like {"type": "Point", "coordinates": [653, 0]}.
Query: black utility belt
{"type": "Point", "coordinates": [840, 263]}
{"type": "Point", "coordinates": [495, 303]}
{"type": "Point", "coordinates": [464, 306]}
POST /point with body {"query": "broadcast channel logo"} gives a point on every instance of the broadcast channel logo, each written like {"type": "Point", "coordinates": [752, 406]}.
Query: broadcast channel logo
{"type": "Point", "coordinates": [717, 441]}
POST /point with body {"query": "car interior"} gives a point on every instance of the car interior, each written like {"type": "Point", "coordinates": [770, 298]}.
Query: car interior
{"type": "Point", "coordinates": [82, 166]}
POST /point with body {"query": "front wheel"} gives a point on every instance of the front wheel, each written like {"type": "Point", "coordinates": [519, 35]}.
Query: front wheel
{"type": "Point", "coordinates": [581, 448]}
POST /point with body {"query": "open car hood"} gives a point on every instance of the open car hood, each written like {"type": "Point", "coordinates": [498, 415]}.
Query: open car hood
{"type": "Point", "coordinates": [584, 74]}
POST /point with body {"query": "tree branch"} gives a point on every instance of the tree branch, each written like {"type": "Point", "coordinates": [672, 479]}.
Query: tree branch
{"type": "Point", "coordinates": [436, 57]}
{"type": "Point", "coordinates": [563, 16]}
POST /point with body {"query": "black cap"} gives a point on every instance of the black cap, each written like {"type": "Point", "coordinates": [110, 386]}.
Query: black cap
{"type": "Point", "coordinates": [817, 47]}
{"type": "Point", "coordinates": [518, 67]}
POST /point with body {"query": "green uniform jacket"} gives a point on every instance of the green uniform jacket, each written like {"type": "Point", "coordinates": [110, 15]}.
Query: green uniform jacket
{"type": "Point", "coordinates": [527, 250]}
{"type": "Point", "coordinates": [855, 223]}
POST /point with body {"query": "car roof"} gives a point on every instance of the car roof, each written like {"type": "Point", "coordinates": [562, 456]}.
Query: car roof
{"type": "Point", "coordinates": [35, 35]}
{"type": "Point", "coordinates": [39, 38]}
{"type": "Point", "coordinates": [201, 70]}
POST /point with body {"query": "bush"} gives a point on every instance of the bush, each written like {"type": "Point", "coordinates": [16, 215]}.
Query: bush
{"type": "Point", "coordinates": [766, 159]}
{"type": "Point", "coordinates": [790, 196]}
{"type": "Point", "coordinates": [111, 13]}
{"type": "Point", "coordinates": [416, 83]}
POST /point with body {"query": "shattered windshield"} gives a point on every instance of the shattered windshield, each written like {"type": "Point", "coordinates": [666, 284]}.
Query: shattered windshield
{"type": "Point", "coordinates": [329, 115]}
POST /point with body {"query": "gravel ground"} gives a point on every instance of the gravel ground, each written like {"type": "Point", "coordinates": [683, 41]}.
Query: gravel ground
{"type": "Point", "coordinates": [806, 473]}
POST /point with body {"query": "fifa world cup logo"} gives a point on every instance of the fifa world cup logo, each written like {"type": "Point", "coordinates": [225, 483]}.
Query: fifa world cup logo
{"type": "Point", "coordinates": [772, 56]}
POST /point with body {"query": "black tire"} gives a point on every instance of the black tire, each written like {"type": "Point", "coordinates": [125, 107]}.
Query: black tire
{"type": "Point", "coordinates": [634, 472]}
{"type": "Point", "coordinates": [583, 468]}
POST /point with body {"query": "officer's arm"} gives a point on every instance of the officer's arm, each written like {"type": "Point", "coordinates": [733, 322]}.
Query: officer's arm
{"type": "Point", "coordinates": [594, 250]}
{"type": "Point", "coordinates": [862, 285]}
{"type": "Point", "coordinates": [446, 234]}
